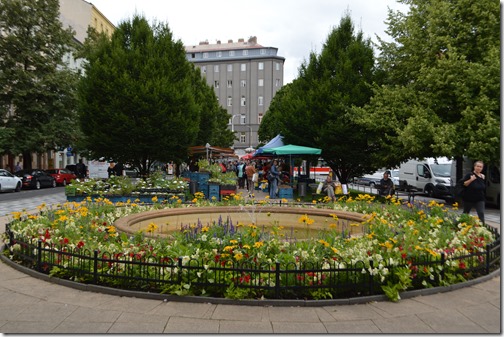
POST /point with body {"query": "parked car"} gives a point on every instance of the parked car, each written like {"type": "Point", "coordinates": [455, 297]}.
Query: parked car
{"type": "Point", "coordinates": [374, 179]}
{"type": "Point", "coordinates": [9, 182]}
{"type": "Point", "coordinates": [62, 176]}
{"type": "Point", "coordinates": [36, 178]}
{"type": "Point", "coordinates": [369, 181]}
{"type": "Point", "coordinates": [72, 168]}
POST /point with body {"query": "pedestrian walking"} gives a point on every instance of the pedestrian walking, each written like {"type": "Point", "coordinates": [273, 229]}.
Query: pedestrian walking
{"type": "Point", "coordinates": [475, 191]}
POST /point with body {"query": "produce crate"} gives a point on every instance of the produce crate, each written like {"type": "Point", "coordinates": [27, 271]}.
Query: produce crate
{"type": "Point", "coordinates": [286, 192]}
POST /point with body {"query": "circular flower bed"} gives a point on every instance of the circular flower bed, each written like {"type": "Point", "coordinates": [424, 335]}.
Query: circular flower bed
{"type": "Point", "coordinates": [395, 236]}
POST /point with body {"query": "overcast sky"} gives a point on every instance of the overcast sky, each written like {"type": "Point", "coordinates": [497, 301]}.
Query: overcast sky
{"type": "Point", "coordinates": [295, 27]}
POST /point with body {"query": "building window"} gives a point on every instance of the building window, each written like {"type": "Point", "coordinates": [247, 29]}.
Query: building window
{"type": "Point", "coordinates": [243, 138]}
{"type": "Point", "coordinates": [243, 119]}
{"type": "Point", "coordinates": [260, 82]}
{"type": "Point", "coordinates": [219, 54]}
{"type": "Point", "coordinates": [243, 67]}
{"type": "Point", "coordinates": [216, 84]}
{"type": "Point", "coordinates": [277, 65]}
{"type": "Point", "coordinates": [245, 52]}
{"type": "Point", "coordinates": [243, 83]}
{"type": "Point", "coordinates": [205, 55]}
{"type": "Point", "coordinates": [193, 55]}
{"type": "Point", "coordinates": [230, 101]}
{"type": "Point", "coordinates": [203, 69]}
{"type": "Point", "coordinates": [277, 82]}
{"type": "Point", "coordinates": [231, 53]}
{"type": "Point", "coordinates": [216, 69]}
{"type": "Point", "coordinates": [229, 67]}
{"type": "Point", "coordinates": [243, 101]}
{"type": "Point", "coordinates": [259, 118]}
{"type": "Point", "coordinates": [260, 100]}
{"type": "Point", "coordinates": [263, 51]}
{"type": "Point", "coordinates": [260, 65]}
{"type": "Point", "coordinates": [229, 83]}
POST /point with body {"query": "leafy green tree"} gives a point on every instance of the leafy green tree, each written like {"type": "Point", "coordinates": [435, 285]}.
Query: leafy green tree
{"type": "Point", "coordinates": [442, 82]}
{"type": "Point", "coordinates": [141, 100]}
{"type": "Point", "coordinates": [316, 108]}
{"type": "Point", "coordinates": [37, 100]}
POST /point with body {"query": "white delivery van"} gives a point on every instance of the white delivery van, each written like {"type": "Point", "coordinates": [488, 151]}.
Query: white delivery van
{"type": "Point", "coordinates": [432, 176]}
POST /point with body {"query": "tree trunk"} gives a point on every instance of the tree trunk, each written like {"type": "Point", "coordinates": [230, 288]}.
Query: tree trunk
{"type": "Point", "coordinates": [27, 160]}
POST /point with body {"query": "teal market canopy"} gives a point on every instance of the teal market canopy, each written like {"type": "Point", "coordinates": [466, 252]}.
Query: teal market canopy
{"type": "Point", "coordinates": [292, 150]}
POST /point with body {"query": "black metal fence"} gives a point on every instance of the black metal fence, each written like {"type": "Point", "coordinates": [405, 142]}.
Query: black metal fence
{"type": "Point", "coordinates": [341, 279]}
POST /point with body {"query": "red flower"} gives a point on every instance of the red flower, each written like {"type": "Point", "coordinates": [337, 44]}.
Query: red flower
{"type": "Point", "coordinates": [462, 265]}
{"type": "Point", "coordinates": [80, 244]}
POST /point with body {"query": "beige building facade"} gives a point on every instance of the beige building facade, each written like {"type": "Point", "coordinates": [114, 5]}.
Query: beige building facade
{"type": "Point", "coordinates": [245, 76]}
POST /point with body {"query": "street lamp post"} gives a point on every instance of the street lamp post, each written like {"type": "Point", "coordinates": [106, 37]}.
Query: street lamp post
{"type": "Point", "coordinates": [232, 122]}
{"type": "Point", "coordinates": [207, 146]}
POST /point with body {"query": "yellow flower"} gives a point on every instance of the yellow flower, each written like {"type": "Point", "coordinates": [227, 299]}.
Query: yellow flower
{"type": "Point", "coordinates": [324, 243]}
{"type": "Point", "coordinates": [284, 200]}
{"type": "Point", "coordinates": [152, 227]}
{"type": "Point", "coordinates": [335, 251]}
{"type": "Point", "coordinates": [246, 247]}
{"type": "Point", "coordinates": [233, 241]}
{"type": "Point", "coordinates": [238, 256]}
{"type": "Point", "coordinates": [305, 219]}
{"type": "Point", "coordinates": [228, 248]}
{"type": "Point", "coordinates": [258, 244]}
{"type": "Point", "coordinates": [111, 229]}
{"type": "Point", "coordinates": [205, 229]}
{"type": "Point", "coordinates": [16, 215]}
{"type": "Point", "coordinates": [63, 218]}
{"type": "Point", "coordinates": [154, 199]}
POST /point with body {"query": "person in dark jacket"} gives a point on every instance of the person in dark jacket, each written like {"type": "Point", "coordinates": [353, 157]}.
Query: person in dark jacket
{"type": "Point", "coordinates": [475, 191]}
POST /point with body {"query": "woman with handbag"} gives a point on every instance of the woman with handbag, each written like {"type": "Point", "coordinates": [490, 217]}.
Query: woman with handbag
{"type": "Point", "coordinates": [251, 172]}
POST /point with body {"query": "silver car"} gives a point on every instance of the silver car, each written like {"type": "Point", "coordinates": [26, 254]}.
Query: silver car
{"type": "Point", "coordinates": [9, 182]}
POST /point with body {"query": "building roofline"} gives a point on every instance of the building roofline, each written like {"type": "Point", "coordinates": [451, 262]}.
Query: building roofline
{"type": "Point", "coordinates": [237, 58]}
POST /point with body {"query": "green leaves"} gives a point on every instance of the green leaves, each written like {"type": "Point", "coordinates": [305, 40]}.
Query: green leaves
{"type": "Point", "coordinates": [316, 109]}
{"type": "Point", "coordinates": [142, 101]}
{"type": "Point", "coordinates": [38, 104]}
{"type": "Point", "coordinates": [444, 57]}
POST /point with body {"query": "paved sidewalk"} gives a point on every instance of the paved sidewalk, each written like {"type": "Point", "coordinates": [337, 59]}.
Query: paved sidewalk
{"type": "Point", "coordinates": [30, 305]}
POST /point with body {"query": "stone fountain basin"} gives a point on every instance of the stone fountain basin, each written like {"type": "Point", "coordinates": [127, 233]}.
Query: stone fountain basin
{"type": "Point", "coordinates": [171, 219]}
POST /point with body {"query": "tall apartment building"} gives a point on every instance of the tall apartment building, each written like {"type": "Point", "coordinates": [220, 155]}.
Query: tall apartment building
{"type": "Point", "coordinates": [245, 76]}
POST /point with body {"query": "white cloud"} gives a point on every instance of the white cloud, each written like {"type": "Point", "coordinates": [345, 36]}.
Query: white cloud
{"type": "Point", "coordinates": [294, 27]}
